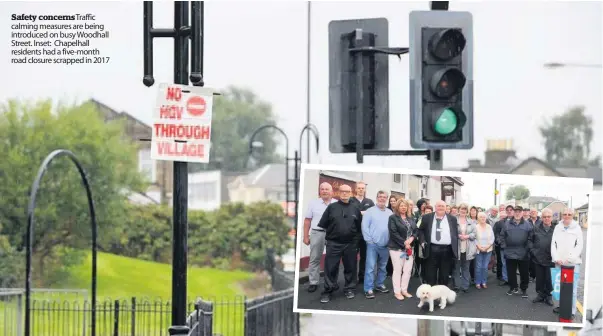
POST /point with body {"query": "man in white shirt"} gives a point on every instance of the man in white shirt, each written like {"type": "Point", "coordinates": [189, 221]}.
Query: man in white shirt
{"type": "Point", "coordinates": [438, 234]}
{"type": "Point", "coordinates": [315, 236]}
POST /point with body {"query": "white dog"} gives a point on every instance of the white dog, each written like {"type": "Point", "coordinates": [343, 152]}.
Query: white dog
{"type": "Point", "coordinates": [427, 293]}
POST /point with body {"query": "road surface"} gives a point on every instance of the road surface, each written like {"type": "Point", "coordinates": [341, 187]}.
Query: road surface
{"type": "Point", "coordinates": [491, 303]}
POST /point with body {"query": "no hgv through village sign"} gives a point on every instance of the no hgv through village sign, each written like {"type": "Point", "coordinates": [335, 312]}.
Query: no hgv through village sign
{"type": "Point", "coordinates": [182, 123]}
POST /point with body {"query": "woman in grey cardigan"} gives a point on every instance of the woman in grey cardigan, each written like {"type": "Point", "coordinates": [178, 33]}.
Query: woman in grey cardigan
{"type": "Point", "coordinates": [467, 248]}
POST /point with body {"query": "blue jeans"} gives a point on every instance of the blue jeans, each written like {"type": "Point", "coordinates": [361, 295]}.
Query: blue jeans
{"type": "Point", "coordinates": [504, 265]}
{"type": "Point", "coordinates": [375, 255]}
{"type": "Point", "coordinates": [482, 259]}
{"type": "Point", "coordinates": [461, 272]}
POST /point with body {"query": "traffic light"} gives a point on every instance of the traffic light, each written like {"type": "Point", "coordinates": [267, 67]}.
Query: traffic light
{"type": "Point", "coordinates": [358, 85]}
{"type": "Point", "coordinates": [441, 80]}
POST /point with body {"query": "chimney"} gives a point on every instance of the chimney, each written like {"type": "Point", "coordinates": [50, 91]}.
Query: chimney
{"type": "Point", "coordinates": [498, 153]}
{"type": "Point", "coordinates": [474, 163]}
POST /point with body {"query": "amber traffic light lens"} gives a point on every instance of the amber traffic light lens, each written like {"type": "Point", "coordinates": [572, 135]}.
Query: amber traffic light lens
{"type": "Point", "coordinates": [447, 44]}
{"type": "Point", "coordinates": [447, 82]}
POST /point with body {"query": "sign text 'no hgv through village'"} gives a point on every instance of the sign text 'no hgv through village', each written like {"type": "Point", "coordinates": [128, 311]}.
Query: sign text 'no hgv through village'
{"type": "Point", "coordinates": [182, 123]}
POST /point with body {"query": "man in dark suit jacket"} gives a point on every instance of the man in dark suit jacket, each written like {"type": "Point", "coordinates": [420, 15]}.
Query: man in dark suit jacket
{"type": "Point", "coordinates": [438, 235]}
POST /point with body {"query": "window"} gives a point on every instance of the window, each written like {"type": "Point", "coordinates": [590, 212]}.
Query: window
{"type": "Point", "coordinates": [203, 191]}
{"type": "Point", "coordinates": [147, 166]}
{"type": "Point", "coordinates": [538, 172]}
{"type": "Point", "coordinates": [397, 178]}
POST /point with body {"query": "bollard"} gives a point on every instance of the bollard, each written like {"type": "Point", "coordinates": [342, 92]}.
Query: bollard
{"type": "Point", "coordinates": [179, 330]}
{"type": "Point", "coordinates": [566, 294]}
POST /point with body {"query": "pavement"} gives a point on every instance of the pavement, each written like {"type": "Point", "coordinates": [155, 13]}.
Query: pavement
{"type": "Point", "coordinates": [335, 325]}
{"type": "Point", "coordinates": [490, 303]}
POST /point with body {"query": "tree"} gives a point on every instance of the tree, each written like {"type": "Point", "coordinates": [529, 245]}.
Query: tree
{"type": "Point", "coordinates": [11, 264]}
{"type": "Point", "coordinates": [237, 113]}
{"type": "Point", "coordinates": [517, 192]}
{"type": "Point", "coordinates": [31, 131]}
{"type": "Point", "coordinates": [568, 137]}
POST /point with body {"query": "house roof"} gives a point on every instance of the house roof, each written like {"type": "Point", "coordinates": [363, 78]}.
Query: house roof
{"type": "Point", "coordinates": [583, 207]}
{"type": "Point", "coordinates": [105, 108]}
{"type": "Point", "coordinates": [591, 172]}
{"type": "Point", "coordinates": [540, 199]}
{"type": "Point", "coordinates": [530, 159]}
{"type": "Point", "coordinates": [456, 180]}
{"type": "Point", "coordinates": [271, 176]}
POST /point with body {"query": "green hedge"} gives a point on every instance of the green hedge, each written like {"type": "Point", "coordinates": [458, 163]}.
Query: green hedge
{"type": "Point", "coordinates": [234, 236]}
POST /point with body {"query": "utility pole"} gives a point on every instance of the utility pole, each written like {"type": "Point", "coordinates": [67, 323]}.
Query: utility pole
{"type": "Point", "coordinates": [181, 33]}
{"type": "Point", "coordinates": [495, 190]}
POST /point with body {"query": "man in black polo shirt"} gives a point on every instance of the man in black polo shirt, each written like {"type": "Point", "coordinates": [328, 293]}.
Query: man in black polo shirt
{"type": "Point", "coordinates": [342, 222]}
{"type": "Point", "coordinates": [363, 204]}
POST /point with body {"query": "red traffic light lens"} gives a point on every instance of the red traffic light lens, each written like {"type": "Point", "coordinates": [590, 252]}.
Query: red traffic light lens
{"type": "Point", "coordinates": [447, 44]}
{"type": "Point", "coordinates": [447, 82]}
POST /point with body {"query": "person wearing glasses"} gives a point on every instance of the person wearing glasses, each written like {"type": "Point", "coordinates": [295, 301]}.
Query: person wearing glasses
{"type": "Point", "coordinates": [540, 251]}
{"type": "Point", "coordinates": [342, 224]}
{"type": "Point", "coordinates": [566, 247]}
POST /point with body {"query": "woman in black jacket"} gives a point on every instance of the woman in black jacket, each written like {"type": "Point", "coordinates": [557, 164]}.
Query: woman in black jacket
{"type": "Point", "coordinates": [391, 204]}
{"type": "Point", "coordinates": [402, 235]}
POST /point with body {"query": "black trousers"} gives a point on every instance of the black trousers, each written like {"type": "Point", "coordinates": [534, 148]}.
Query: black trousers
{"type": "Point", "coordinates": [420, 262]}
{"type": "Point", "coordinates": [544, 285]}
{"type": "Point", "coordinates": [524, 273]}
{"type": "Point", "coordinates": [472, 269]}
{"type": "Point", "coordinates": [532, 268]}
{"type": "Point", "coordinates": [452, 275]}
{"type": "Point", "coordinates": [437, 266]}
{"type": "Point", "coordinates": [346, 254]}
{"type": "Point", "coordinates": [390, 267]}
{"type": "Point", "coordinates": [362, 262]}
{"type": "Point", "coordinates": [498, 263]}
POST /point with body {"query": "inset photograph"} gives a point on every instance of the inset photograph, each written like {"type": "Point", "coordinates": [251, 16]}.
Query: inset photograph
{"type": "Point", "coordinates": [436, 244]}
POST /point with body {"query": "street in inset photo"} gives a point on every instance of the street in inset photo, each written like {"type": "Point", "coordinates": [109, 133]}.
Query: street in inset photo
{"type": "Point", "coordinates": [442, 244]}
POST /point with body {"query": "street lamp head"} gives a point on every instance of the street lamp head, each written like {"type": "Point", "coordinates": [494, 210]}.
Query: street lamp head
{"type": "Point", "coordinates": [254, 147]}
{"type": "Point", "coordinates": [554, 65]}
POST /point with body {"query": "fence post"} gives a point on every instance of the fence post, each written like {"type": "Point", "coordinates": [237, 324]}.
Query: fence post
{"type": "Point", "coordinates": [133, 319]}
{"type": "Point", "coordinates": [270, 265]}
{"type": "Point", "coordinates": [116, 318]}
{"type": "Point", "coordinates": [20, 314]}
{"type": "Point", "coordinates": [179, 330]}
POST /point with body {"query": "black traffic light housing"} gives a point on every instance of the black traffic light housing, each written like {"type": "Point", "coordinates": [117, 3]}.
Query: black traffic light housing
{"type": "Point", "coordinates": [441, 80]}
{"type": "Point", "coordinates": [358, 85]}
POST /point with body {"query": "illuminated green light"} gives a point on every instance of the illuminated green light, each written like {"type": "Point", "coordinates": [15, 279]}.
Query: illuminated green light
{"type": "Point", "coordinates": [446, 123]}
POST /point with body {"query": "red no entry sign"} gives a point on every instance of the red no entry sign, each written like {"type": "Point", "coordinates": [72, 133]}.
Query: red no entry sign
{"type": "Point", "coordinates": [195, 106]}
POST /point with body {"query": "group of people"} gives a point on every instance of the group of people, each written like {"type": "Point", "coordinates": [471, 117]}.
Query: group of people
{"type": "Point", "coordinates": [439, 243]}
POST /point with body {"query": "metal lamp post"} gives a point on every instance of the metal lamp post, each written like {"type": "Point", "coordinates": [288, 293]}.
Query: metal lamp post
{"type": "Point", "coordinates": [297, 159]}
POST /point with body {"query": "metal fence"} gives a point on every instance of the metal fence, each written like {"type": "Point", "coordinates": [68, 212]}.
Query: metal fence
{"type": "Point", "coordinates": [68, 313]}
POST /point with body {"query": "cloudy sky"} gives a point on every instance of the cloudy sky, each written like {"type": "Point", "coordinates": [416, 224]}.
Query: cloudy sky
{"type": "Point", "coordinates": [262, 45]}
{"type": "Point", "coordinates": [479, 188]}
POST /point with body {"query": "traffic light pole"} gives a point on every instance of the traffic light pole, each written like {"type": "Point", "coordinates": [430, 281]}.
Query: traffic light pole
{"type": "Point", "coordinates": [181, 33]}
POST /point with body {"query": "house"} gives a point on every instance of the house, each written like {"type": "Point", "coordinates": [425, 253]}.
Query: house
{"type": "Point", "coordinates": [541, 202]}
{"type": "Point", "coordinates": [158, 173]}
{"type": "Point", "coordinates": [582, 215]}
{"type": "Point", "coordinates": [500, 158]}
{"type": "Point", "coordinates": [266, 183]}
{"type": "Point", "coordinates": [412, 187]}
{"type": "Point", "coordinates": [208, 190]}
